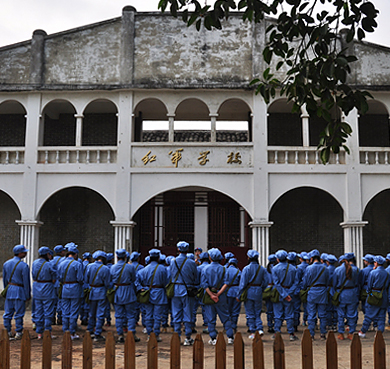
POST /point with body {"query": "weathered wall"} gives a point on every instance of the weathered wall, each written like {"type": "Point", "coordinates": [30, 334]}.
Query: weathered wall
{"type": "Point", "coordinates": [15, 64]}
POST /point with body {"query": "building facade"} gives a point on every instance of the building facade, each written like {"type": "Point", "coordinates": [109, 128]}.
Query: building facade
{"type": "Point", "coordinates": [138, 132]}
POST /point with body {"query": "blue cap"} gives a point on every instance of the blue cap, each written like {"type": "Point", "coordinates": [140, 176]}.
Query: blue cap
{"type": "Point", "coordinates": [233, 261]}
{"type": "Point", "coordinates": [127, 254]}
{"type": "Point", "coordinates": [110, 256]}
{"type": "Point", "coordinates": [19, 248]}
{"type": "Point", "coordinates": [99, 254]}
{"type": "Point", "coordinates": [331, 258]}
{"type": "Point", "coordinates": [305, 255]}
{"type": "Point", "coordinates": [198, 249]}
{"type": "Point", "coordinates": [147, 260]}
{"type": "Point", "coordinates": [314, 253]}
{"type": "Point", "coordinates": [388, 256]}
{"type": "Point", "coordinates": [291, 256]}
{"type": "Point", "coordinates": [229, 255]}
{"type": "Point", "coordinates": [272, 258]}
{"type": "Point", "coordinates": [121, 253]}
{"type": "Point", "coordinates": [44, 250]}
{"type": "Point", "coordinates": [324, 256]}
{"type": "Point", "coordinates": [369, 258]}
{"type": "Point", "coordinates": [252, 254]}
{"type": "Point", "coordinates": [58, 249]}
{"type": "Point", "coordinates": [379, 259]}
{"type": "Point", "coordinates": [183, 246]}
{"type": "Point", "coordinates": [204, 255]}
{"type": "Point", "coordinates": [72, 249]}
{"type": "Point", "coordinates": [134, 255]}
{"type": "Point", "coordinates": [163, 257]}
{"type": "Point", "coordinates": [169, 259]}
{"type": "Point", "coordinates": [341, 258]}
{"type": "Point", "coordinates": [70, 244]}
{"type": "Point", "coordinates": [191, 256]}
{"type": "Point", "coordinates": [87, 255]}
{"type": "Point", "coordinates": [51, 252]}
{"type": "Point", "coordinates": [281, 254]}
{"type": "Point", "coordinates": [215, 254]}
{"type": "Point", "coordinates": [154, 253]}
{"type": "Point", "coordinates": [349, 255]}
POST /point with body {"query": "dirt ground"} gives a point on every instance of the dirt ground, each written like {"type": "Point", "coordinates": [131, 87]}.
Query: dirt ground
{"type": "Point", "coordinates": [292, 349]}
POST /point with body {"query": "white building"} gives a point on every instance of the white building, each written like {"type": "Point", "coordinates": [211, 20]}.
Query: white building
{"type": "Point", "coordinates": [93, 149]}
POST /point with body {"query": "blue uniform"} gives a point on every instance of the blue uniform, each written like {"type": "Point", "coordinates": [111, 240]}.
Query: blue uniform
{"type": "Point", "coordinates": [210, 278]}
{"type": "Point", "coordinates": [349, 297]}
{"type": "Point", "coordinates": [107, 313]}
{"type": "Point", "coordinates": [71, 290]}
{"type": "Point", "coordinates": [125, 297]}
{"type": "Point", "coordinates": [284, 309]}
{"type": "Point", "coordinates": [301, 268]}
{"type": "Point", "coordinates": [233, 276]}
{"type": "Point", "coordinates": [157, 298]}
{"type": "Point", "coordinates": [18, 292]}
{"type": "Point", "coordinates": [182, 304]}
{"type": "Point", "coordinates": [57, 302]}
{"type": "Point", "coordinates": [84, 306]}
{"type": "Point", "coordinates": [317, 298]}
{"type": "Point", "coordinates": [205, 264]}
{"type": "Point", "coordinates": [254, 302]}
{"type": "Point", "coordinates": [44, 274]}
{"type": "Point", "coordinates": [138, 307]}
{"type": "Point", "coordinates": [268, 303]}
{"type": "Point", "coordinates": [378, 280]}
{"type": "Point", "coordinates": [97, 297]}
{"type": "Point", "coordinates": [331, 309]}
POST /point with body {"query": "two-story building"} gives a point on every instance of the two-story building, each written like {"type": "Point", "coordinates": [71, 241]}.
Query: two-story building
{"type": "Point", "coordinates": [138, 132]}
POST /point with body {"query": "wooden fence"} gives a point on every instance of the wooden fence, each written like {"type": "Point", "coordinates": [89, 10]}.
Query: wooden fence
{"type": "Point", "coordinates": [198, 352]}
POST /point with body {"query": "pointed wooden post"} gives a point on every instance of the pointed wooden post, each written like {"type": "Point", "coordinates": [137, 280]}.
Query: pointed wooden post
{"type": "Point", "coordinates": [331, 352]}
{"type": "Point", "coordinates": [307, 350]}
{"type": "Point", "coordinates": [279, 360]}
{"type": "Point", "coordinates": [239, 352]}
{"type": "Point", "coordinates": [66, 351]}
{"type": "Point", "coordinates": [152, 352]}
{"type": "Point", "coordinates": [356, 352]}
{"type": "Point", "coordinates": [198, 353]}
{"type": "Point", "coordinates": [46, 350]}
{"type": "Point", "coordinates": [220, 352]}
{"type": "Point", "coordinates": [258, 352]}
{"type": "Point", "coordinates": [130, 351]}
{"type": "Point", "coordinates": [25, 351]}
{"type": "Point", "coordinates": [379, 351]}
{"type": "Point", "coordinates": [5, 353]}
{"type": "Point", "coordinates": [110, 351]}
{"type": "Point", "coordinates": [87, 351]}
{"type": "Point", "coordinates": [175, 351]}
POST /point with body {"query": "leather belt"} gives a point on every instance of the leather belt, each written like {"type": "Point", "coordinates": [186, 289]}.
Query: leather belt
{"type": "Point", "coordinates": [122, 284]}
{"type": "Point", "coordinates": [254, 284]}
{"type": "Point", "coordinates": [376, 289]}
{"type": "Point", "coordinates": [45, 281]}
{"type": "Point", "coordinates": [349, 288]}
{"type": "Point", "coordinates": [157, 286]}
{"type": "Point", "coordinates": [73, 282]}
{"type": "Point", "coordinates": [286, 286]}
{"type": "Point", "coordinates": [16, 284]}
{"type": "Point", "coordinates": [97, 285]}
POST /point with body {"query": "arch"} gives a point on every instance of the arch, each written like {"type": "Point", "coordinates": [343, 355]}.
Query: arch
{"type": "Point", "coordinates": [192, 109]}
{"type": "Point", "coordinates": [12, 123]}
{"type": "Point", "coordinates": [376, 233]}
{"type": "Point", "coordinates": [234, 109]}
{"type": "Point", "coordinates": [77, 214]}
{"type": "Point", "coordinates": [9, 229]}
{"type": "Point", "coordinates": [151, 108]}
{"type": "Point", "coordinates": [305, 218]}
{"type": "Point", "coordinates": [100, 106]}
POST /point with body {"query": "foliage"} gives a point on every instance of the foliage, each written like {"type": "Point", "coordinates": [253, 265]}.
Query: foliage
{"type": "Point", "coordinates": [305, 41]}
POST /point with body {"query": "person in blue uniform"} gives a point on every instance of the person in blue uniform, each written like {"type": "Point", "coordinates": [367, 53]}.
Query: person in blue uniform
{"type": "Point", "coordinates": [44, 274]}
{"type": "Point", "coordinates": [60, 253]}
{"type": "Point", "coordinates": [107, 314]}
{"type": "Point", "coordinates": [134, 260]}
{"type": "Point", "coordinates": [183, 304]}
{"type": "Point", "coordinates": [228, 255]}
{"type": "Point", "coordinates": [197, 252]}
{"type": "Point", "coordinates": [154, 278]}
{"type": "Point", "coordinates": [164, 261]}
{"type": "Point", "coordinates": [345, 280]}
{"type": "Point", "coordinates": [316, 278]}
{"type": "Point", "coordinates": [84, 306]}
{"type": "Point", "coordinates": [388, 307]}
{"type": "Point", "coordinates": [304, 263]}
{"type": "Point", "coordinates": [272, 260]}
{"type": "Point", "coordinates": [233, 277]}
{"type": "Point", "coordinates": [255, 277]}
{"type": "Point", "coordinates": [214, 282]}
{"type": "Point", "coordinates": [331, 309]}
{"type": "Point", "coordinates": [16, 275]}
{"type": "Point", "coordinates": [70, 274]}
{"type": "Point", "coordinates": [98, 277]}
{"type": "Point", "coordinates": [292, 260]}
{"type": "Point", "coordinates": [283, 276]}
{"type": "Point", "coordinates": [205, 261]}
{"type": "Point", "coordinates": [123, 277]}
{"type": "Point", "coordinates": [368, 261]}
{"type": "Point", "coordinates": [378, 280]}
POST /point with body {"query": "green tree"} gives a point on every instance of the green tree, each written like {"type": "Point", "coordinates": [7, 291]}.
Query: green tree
{"type": "Point", "coordinates": [303, 38]}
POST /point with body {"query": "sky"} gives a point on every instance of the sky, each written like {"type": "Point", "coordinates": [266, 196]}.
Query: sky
{"type": "Point", "coordinates": [19, 18]}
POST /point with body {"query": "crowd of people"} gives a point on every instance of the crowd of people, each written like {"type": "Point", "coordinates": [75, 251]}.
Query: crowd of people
{"type": "Point", "coordinates": [168, 291]}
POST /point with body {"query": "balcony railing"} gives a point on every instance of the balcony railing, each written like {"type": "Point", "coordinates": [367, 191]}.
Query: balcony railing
{"type": "Point", "coordinates": [300, 155]}
{"type": "Point", "coordinates": [14, 155]}
{"type": "Point", "coordinates": [79, 155]}
{"type": "Point", "coordinates": [374, 155]}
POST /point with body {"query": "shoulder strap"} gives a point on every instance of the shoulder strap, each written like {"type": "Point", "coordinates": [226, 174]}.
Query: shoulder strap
{"type": "Point", "coordinates": [13, 271]}
{"type": "Point", "coordinates": [318, 277]}
{"type": "Point", "coordinates": [285, 274]}
{"type": "Point", "coordinates": [154, 273]}
{"type": "Point", "coordinates": [97, 271]}
{"type": "Point", "coordinates": [238, 271]}
{"type": "Point", "coordinates": [120, 275]}
{"type": "Point", "coordinates": [66, 271]}
{"type": "Point", "coordinates": [385, 282]}
{"type": "Point", "coordinates": [59, 258]}
{"type": "Point", "coordinates": [39, 271]}
{"type": "Point", "coordinates": [221, 279]}
{"type": "Point", "coordinates": [179, 271]}
{"type": "Point", "coordinates": [257, 273]}
{"type": "Point", "coordinates": [136, 267]}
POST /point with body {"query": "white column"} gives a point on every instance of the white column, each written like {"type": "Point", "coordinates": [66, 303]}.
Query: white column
{"type": "Point", "coordinates": [353, 239]}
{"type": "Point", "coordinates": [79, 129]}
{"type": "Point", "coordinates": [171, 134]}
{"type": "Point", "coordinates": [159, 221]}
{"type": "Point", "coordinates": [29, 237]}
{"type": "Point", "coordinates": [242, 227]}
{"type": "Point", "coordinates": [305, 128]}
{"type": "Point", "coordinates": [213, 135]}
{"type": "Point", "coordinates": [201, 226]}
{"type": "Point", "coordinates": [260, 239]}
{"type": "Point", "coordinates": [123, 235]}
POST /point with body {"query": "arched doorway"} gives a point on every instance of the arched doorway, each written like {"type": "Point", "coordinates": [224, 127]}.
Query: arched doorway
{"type": "Point", "coordinates": [9, 230]}
{"type": "Point", "coordinates": [202, 217]}
{"type": "Point", "coordinates": [306, 218]}
{"type": "Point", "coordinates": [77, 215]}
{"type": "Point", "coordinates": [376, 234]}
{"type": "Point", "coordinates": [12, 124]}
